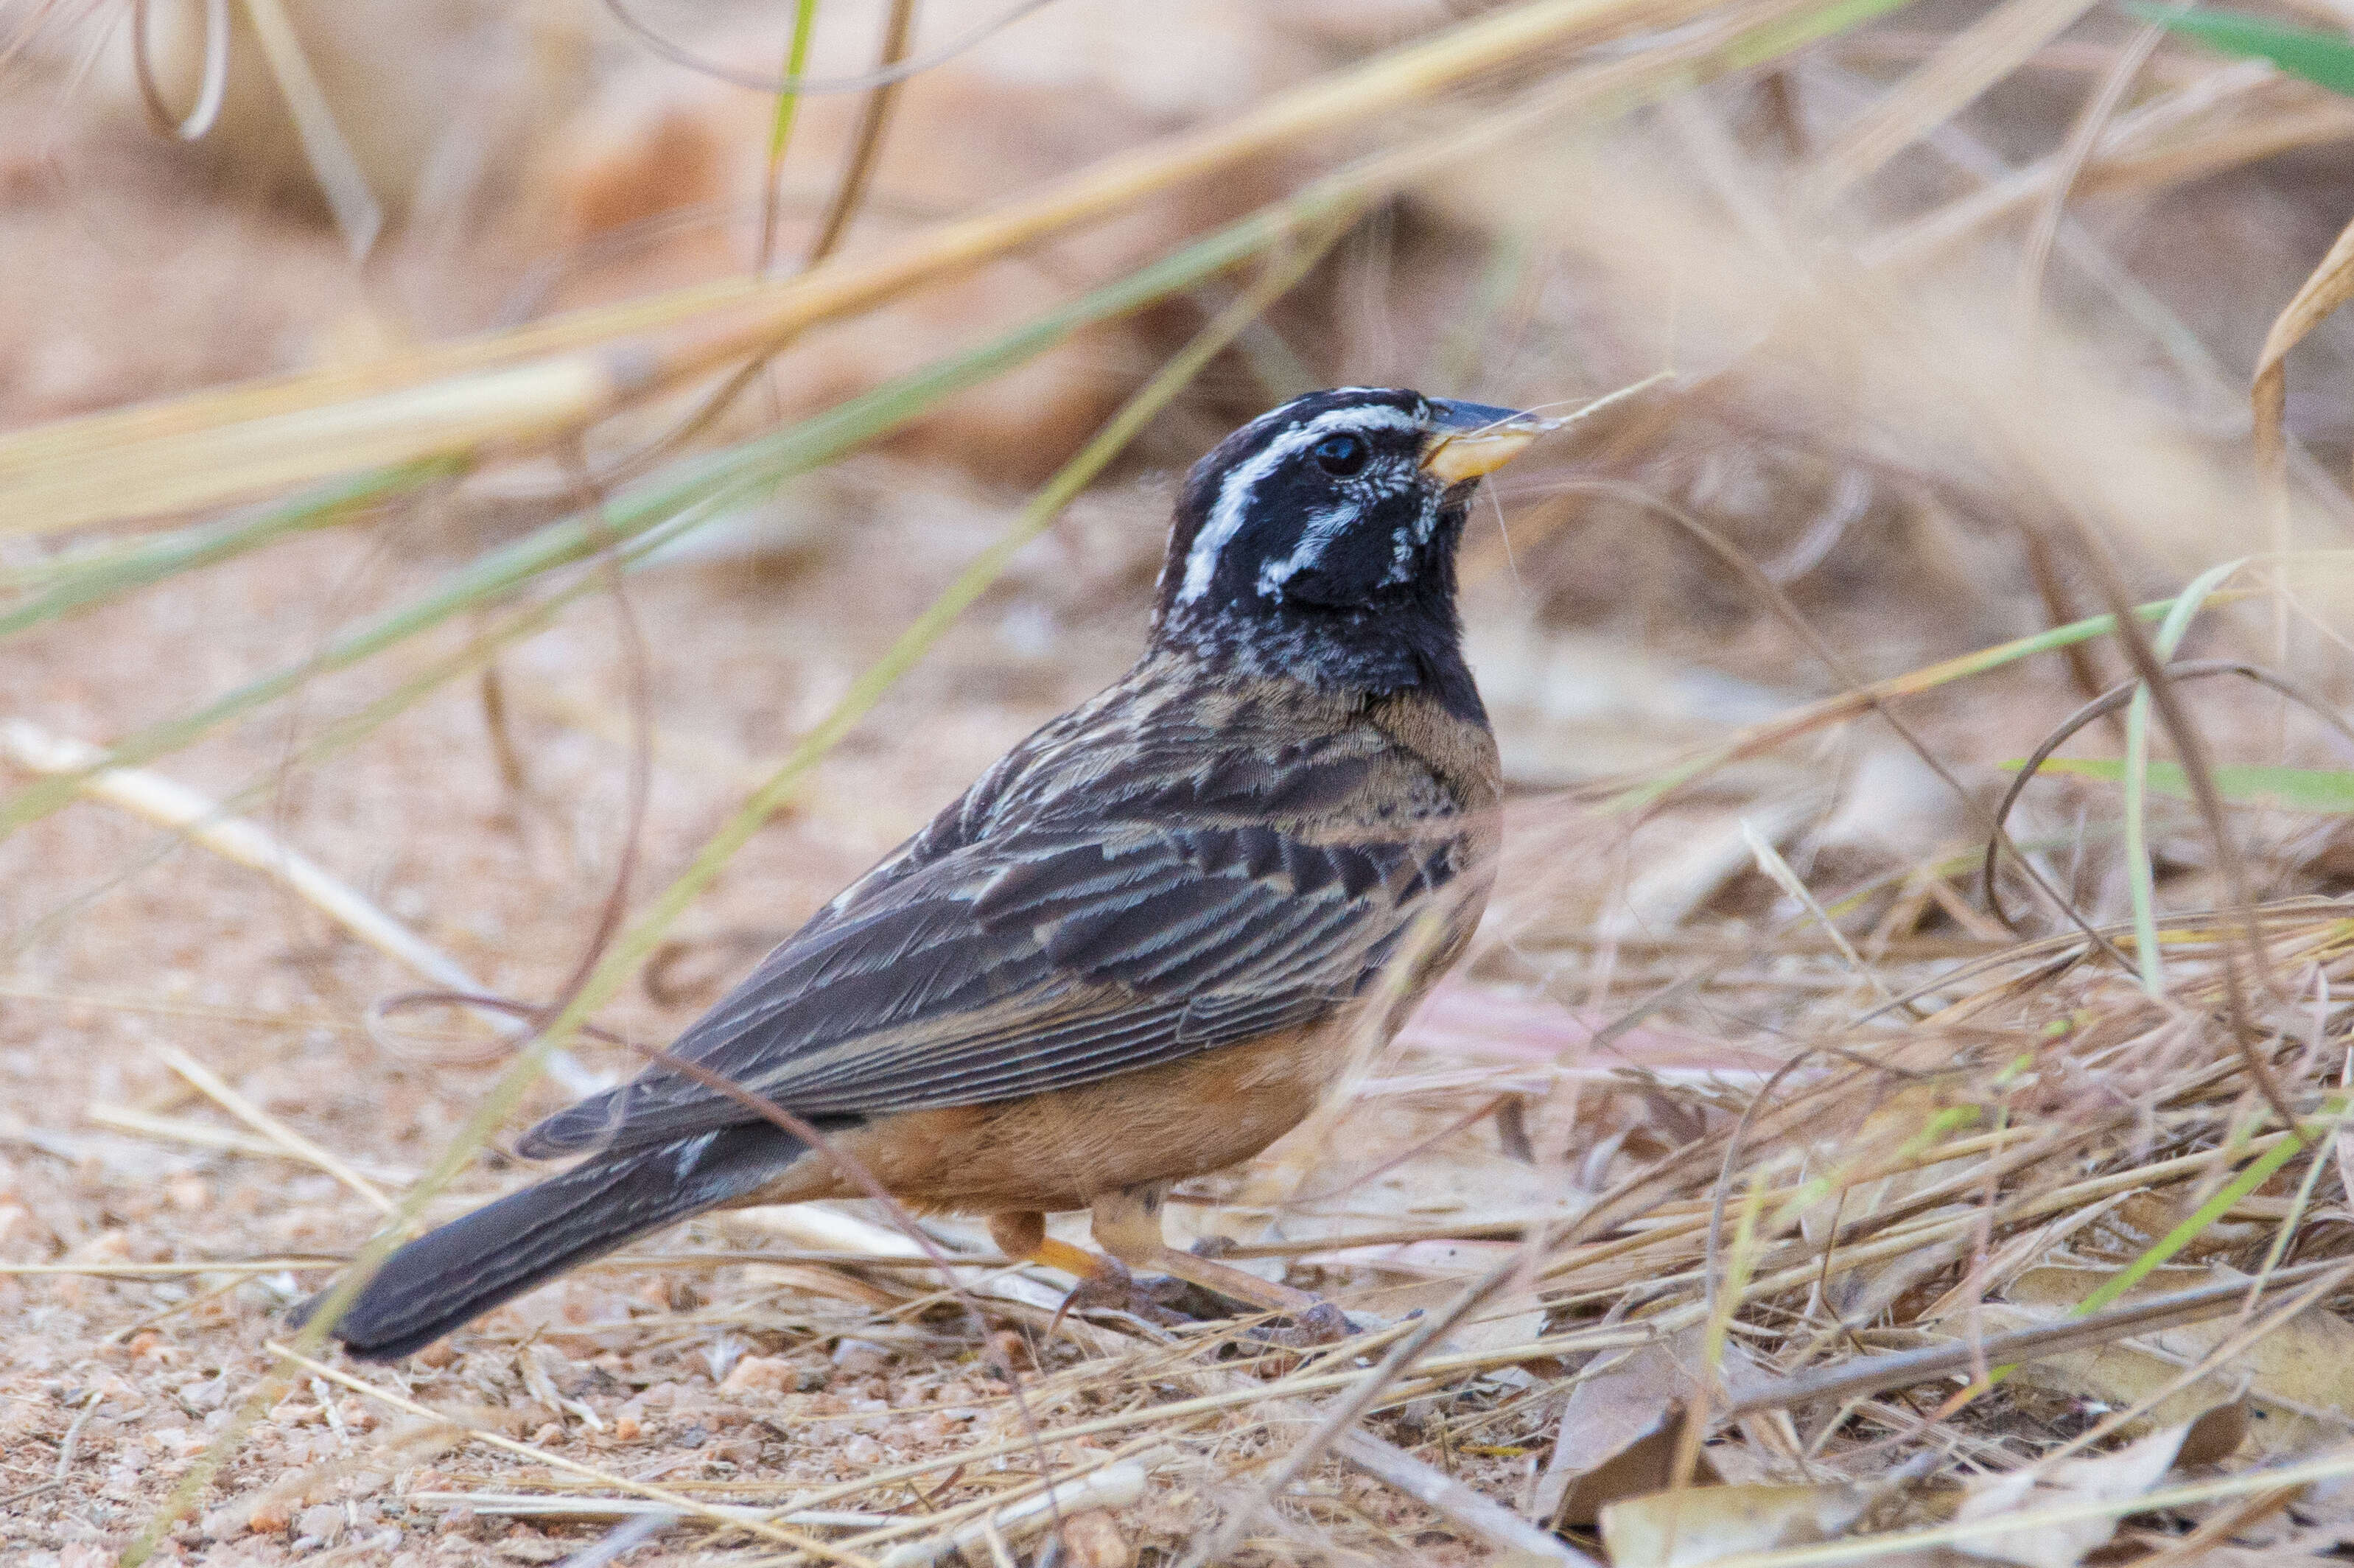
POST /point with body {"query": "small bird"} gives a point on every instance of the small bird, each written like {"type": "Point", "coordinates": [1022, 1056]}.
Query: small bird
{"type": "Point", "coordinates": [1138, 950]}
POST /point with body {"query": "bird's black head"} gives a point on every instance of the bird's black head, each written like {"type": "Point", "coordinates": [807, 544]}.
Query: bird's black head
{"type": "Point", "coordinates": [1319, 540]}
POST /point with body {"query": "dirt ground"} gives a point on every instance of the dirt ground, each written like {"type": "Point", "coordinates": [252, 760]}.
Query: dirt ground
{"type": "Point", "coordinates": [154, 1242]}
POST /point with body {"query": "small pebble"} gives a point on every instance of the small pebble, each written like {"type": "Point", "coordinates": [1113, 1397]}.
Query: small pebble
{"type": "Point", "coordinates": [761, 1374]}
{"type": "Point", "coordinates": [861, 1358]}
{"type": "Point", "coordinates": [1092, 1539]}
{"type": "Point", "coordinates": [321, 1522]}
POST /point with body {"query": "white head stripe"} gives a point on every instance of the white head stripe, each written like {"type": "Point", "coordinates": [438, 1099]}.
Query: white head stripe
{"type": "Point", "coordinates": [1225, 519]}
{"type": "Point", "coordinates": [1323, 528]}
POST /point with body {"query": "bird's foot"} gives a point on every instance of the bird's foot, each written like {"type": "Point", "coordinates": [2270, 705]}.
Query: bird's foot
{"type": "Point", "coordinates": [1195, 1288]}
{"type": "Point", "coordinates": [1307, 1320]}
{"type": "Point", "coordinates": [1109, 1285]}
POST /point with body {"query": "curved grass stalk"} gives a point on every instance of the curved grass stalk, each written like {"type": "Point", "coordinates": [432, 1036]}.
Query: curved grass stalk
{"type": "Point", "coordinates": [2141, 876]}
{"type": "Point", "coordinates": [1768, 733]}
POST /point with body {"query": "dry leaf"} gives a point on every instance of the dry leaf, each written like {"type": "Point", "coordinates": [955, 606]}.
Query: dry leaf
{"type": "Point", "coordinates": [1618, 1430]}
{"type": "Point", "coordinates": [1510, 1319]}
{"type": "Point", "coordinates": [2101, 1478]}
{"type": "Point", "coordinates": [2298, 1378]}
{"type": "Point", "coordinates": [2216, 1436]}
{"type": "Point", "coordinates": [1701, 1524]}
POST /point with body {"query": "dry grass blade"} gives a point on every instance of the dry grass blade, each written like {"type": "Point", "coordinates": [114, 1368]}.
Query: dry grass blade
{"type": "Point", "coordinates": [205, 110]}
{"type": "Point", "coordinates": [1479, 1516]}
{"type": "Point", "coordinates": [2156, 145]}
{"type": "Point", "coordinates": [209, 1082]}
{"type": "Point", "coordinates": [1982, 54]}
{"type": "Point", "coordinates": [171, 1270]}
{"type": "Point", "coordinates": [2330, 285]}
{"type": "Point", "coordinates": [65, 1455]}
{"type": "Point", "coordinates": [175, 459]}
{"type": "Point", "coordinates": [2083, 137]}
{"type": "Point", "coordinates": [333, 162]}
{"type": "Point", "coordinates": [173, 805]}
{"type": "Point", "coordinates": [867, 141]}
{"type": "Point", "coordinates": [200, 1135]}
{"type": "Point", "coordinates": [203, 822]}
{"type": "Point", "coordinates": [1877, 1374]}
{"type": "Point", "coordinates": [536, 381]}
{"type": "Point", "coordinates": [1114, 1486]}
{"type": "Point", "coordinates": [1866, 1548]}
{"type": "Point", "coordinates": [569, 1508]}
{"type": "Point", "coordinates": [765, 1529]}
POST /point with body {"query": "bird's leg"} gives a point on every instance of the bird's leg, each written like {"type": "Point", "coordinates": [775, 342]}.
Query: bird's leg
{"type": "Point", "coordinates": [1128, 1226]}
{"type": "Point", "coordinates": [1103, 1281]}
{"type": "Point", "coordinates": [1022, 1233]}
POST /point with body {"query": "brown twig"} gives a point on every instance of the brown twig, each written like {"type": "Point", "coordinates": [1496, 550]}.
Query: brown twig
{"type": "Point", "coordinates": [1875, 1375]}
{"type": "Point", "coordinates": [866, 141]}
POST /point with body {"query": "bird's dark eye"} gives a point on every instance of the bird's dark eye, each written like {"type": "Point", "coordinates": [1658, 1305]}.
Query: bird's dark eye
{"type": "Point", "coordinates": [1340, 456]}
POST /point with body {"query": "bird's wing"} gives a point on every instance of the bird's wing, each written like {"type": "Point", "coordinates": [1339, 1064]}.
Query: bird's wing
{"type": "Point", "coordinates": [1033, 960]}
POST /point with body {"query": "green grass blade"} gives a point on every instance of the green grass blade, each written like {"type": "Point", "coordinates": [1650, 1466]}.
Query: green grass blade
{"type": "Point", "coordinates": [2324, 59]}
{"type": "Point", "coordinates": [2141, 876]}
{"type": "Point", "coordinates": [343, 734]}
{"type": "Point", "coordinates": [789, 101]}
{"type": "Point", "coordinates": [2328, 791]}
{"type": "Point", "coordinates": [107, 575]}
{"type": "Point", "coordinates": [2258, 1171]}
{"type": "Point", "coordinates": [733, 477]}
{"type": "Point", "coordinates": [1776, 731]}
{"type": "Point", "coordinates": [780, 129]}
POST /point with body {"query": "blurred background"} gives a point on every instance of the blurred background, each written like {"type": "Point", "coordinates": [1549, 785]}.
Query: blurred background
{"type": "Point", "coordinates": [498, 499]}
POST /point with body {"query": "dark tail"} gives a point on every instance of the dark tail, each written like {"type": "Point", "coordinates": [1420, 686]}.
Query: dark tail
{"type": "Point", "coordinates": [503, 1250]}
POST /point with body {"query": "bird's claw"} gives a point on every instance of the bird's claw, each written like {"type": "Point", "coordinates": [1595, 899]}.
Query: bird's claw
{"type": "Point", "coordinates": [1113, 1289]}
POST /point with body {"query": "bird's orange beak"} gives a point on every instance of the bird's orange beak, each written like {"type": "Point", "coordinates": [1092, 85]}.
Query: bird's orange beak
{"type": "Point", "coordinates": [1471, 439]}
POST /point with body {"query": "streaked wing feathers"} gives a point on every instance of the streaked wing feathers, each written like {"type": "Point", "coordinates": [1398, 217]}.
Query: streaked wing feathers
{"type": "Point", "coordinates": [1033, 960]}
